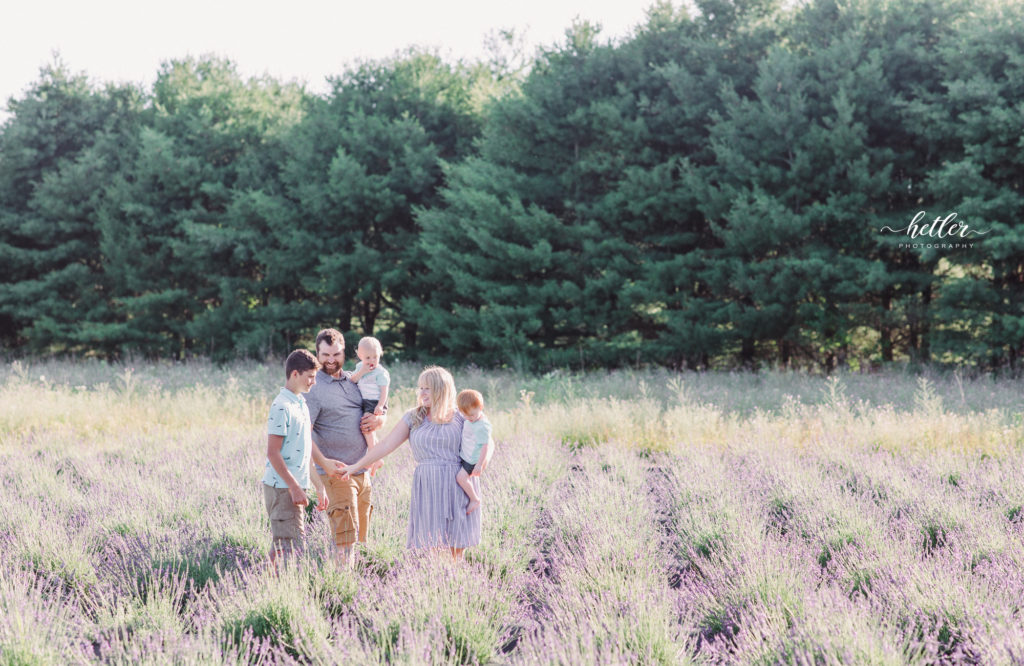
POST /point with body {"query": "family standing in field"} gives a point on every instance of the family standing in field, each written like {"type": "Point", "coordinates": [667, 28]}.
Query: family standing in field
{"type": "Point", "coordinates": [336, 422]}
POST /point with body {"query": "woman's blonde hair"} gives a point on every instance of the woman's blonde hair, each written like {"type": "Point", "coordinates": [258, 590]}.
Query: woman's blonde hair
{"type": "Point", "coordinates": [442, 397]}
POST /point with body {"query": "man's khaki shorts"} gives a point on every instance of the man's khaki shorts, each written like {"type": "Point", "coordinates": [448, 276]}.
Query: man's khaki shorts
{"type": "Point", "coordinates": [287, 522]}
{"type": "Point", "coordinates": [349, 507]}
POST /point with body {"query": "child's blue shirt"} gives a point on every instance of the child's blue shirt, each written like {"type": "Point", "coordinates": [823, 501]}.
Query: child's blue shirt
{"type": "Point", "coordinates": [475, 434]}
{"type": "Point", "coordinates": [289, 418]}
{"type": "Point", "coordinates": [371, 383]}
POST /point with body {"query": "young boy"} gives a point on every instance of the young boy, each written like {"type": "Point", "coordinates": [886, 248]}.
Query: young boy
{"type": "Point", "coordinates": [289, 449]}
{"type": "Point", "coordinates": [372, 379]}
{"type": "Point", "coordinates": [476, 443]}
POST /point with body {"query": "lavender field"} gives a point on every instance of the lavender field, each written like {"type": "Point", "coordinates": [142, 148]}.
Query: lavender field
{"type": "Point", "coordinates": [630, 517]}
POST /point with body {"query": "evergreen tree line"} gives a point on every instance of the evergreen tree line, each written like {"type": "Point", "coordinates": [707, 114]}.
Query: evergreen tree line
{"type": "Point", "coordinates": [713, 190]}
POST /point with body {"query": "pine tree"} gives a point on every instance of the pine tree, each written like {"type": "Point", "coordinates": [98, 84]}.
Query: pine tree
{"type": "Point", "coordinates": [979, 309]}
{"type": "Point", "coordinates": [589, 161]}
{"type": "Point", "coordinates": [61, 146]}
{"type": "Point", "coordinates": [358, 166]}
{"type": "Point", "coordinates": [808, 167]}
{"type": "Point", "coordinates": [170, 210]}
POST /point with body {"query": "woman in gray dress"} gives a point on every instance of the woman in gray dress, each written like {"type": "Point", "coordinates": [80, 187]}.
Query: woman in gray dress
{"type": "Point", "coordinates": [437, 511]}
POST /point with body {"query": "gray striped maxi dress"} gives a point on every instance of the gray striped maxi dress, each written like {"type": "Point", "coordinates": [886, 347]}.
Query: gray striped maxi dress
{"type": "Point", "coordinates": [437, 511]}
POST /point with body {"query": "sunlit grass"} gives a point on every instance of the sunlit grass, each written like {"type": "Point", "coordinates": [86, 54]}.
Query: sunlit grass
{"type": "Point", "coordinates": [629, 517]}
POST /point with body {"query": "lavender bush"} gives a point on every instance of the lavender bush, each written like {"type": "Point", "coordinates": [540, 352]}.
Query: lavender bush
{"type": "Point", "coordinates": [718, 518]}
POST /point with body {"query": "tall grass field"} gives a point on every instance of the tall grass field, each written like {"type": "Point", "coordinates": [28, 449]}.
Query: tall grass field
{"type": "Point", "coordinates": [629, 517]}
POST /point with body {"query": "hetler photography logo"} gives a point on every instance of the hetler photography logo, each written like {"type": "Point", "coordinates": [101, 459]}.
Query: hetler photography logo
{"type": "Point", "coordinates": [946, 232]}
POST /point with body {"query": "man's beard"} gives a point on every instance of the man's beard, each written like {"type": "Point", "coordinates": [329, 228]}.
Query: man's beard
{"type": "Point", "coordinates": [332, 368]}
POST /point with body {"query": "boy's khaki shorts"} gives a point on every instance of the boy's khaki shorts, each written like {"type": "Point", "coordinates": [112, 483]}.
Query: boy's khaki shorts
{"type": "Point", "coordinates": [287, 522]}
{"type": "Point", "coordinates": [349, 507]}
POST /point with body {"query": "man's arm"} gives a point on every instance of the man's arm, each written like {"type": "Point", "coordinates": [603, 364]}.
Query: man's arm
{"type": "Point", "coordinates": [371, 422]}
{"type": "Point", "coordinates": [321, 492]}
{"type": "Point", "coordinates": [329, 465]}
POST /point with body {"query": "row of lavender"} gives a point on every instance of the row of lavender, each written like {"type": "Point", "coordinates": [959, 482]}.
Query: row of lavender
{"type": "Point", "coordinates": [795, 538]}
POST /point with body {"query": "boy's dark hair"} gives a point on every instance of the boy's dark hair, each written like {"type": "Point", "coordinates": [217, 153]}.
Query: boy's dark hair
{"type": "Point", "coordinates": [330, 336]}
{"type": "Point", "coordinates": [300, 360]}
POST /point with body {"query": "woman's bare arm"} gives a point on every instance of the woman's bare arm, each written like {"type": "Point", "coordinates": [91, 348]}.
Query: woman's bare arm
{"type": "Point", "coordinates": [394, 439]}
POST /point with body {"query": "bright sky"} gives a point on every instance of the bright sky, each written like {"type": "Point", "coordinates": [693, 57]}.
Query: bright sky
{"type": "Point", "coordinates": [308, 40]}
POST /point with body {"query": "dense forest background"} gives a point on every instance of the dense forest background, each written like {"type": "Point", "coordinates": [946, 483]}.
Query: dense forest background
{"type": "Point", "coordinates": [710, 192]}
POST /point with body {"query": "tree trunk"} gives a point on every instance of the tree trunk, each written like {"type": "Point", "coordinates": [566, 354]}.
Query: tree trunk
{"type": "Point", "coordinates": [829, 363]}
{"type": "Point", "coordinates": [885, 330]}
{"type": "Point", "coordinates": [345, 314]}
{"type": "Point", "coordinates": [924, 346]}
{"type": "Point", "coordinates": [747, 353]}
{"type": "Point", "coordinates": [410, 335]}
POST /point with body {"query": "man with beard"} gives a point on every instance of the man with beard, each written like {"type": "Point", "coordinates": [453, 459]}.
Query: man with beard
{"type": "Point", "coordinates": [336, 412]}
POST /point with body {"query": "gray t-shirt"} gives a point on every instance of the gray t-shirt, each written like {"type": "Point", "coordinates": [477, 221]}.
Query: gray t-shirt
{"type": "Point", "coordinates": [335, 409]}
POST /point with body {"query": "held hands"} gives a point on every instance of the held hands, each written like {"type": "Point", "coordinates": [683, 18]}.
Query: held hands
{"type": "Point", "coordinates": [346, 471]}
{"type": "Point", "coordinates": [334, 468]}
